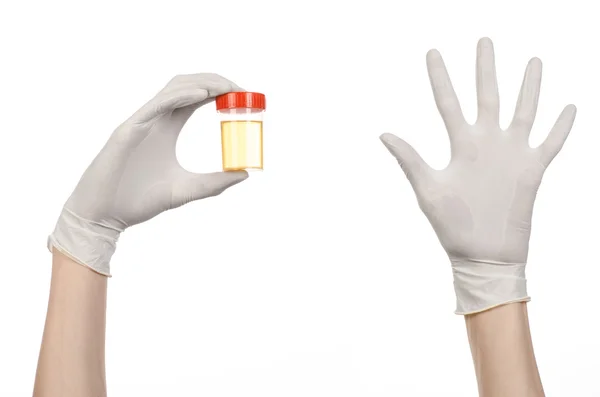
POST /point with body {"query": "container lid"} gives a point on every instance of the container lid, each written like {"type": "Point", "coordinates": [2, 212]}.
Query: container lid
{"type": "Point", "coordinates": [238, 100]}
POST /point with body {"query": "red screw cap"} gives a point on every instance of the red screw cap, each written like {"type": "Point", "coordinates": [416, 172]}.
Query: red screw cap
{"type": "Point", "coordinates": [238, 100]}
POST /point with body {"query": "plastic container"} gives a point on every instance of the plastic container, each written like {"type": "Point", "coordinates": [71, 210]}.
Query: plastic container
{"type": "Point", "coordinates": [241, 116]}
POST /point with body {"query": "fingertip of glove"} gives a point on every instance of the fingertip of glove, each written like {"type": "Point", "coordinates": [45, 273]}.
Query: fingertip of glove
{"type": "Point", "coordinates": [383, 137]}
{"type": "Point", "coordinates": [433, 55]}
{"type": "Point", "coordinates": [387, 138]}
{"type": "Point", "coordinates": [237, 176]}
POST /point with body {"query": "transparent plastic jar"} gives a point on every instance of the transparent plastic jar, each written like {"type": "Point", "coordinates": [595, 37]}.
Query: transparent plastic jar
{"type": "Point", "coordinates": [241, 115]}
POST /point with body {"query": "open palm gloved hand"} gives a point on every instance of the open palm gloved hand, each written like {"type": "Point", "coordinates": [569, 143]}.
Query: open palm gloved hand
{"type": "Point", "coordinates": [136, 176]}
{"type": "Point", "coordinates": [481, 204]}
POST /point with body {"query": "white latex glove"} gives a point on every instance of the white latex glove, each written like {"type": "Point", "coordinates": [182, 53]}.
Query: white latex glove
{"type": "Point", "coordinates": [481, 204]}
{"type": "Point", "coordinates": [136, 176]}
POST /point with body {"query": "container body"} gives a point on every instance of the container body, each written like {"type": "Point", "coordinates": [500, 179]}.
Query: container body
{"type": "Point", "coordinates": [242, 138]}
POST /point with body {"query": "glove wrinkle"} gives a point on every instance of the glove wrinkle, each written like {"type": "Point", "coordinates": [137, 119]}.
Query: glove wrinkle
{"type": "Point", "coordinates": [482, 284]}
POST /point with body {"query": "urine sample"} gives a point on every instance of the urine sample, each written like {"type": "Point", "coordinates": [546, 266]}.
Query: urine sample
{"type": "Point", "coordinates": [241, 116]}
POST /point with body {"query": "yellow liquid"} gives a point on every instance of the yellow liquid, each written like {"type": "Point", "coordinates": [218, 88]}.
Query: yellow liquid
{"type": "Point", "coordinates": [242, 144]}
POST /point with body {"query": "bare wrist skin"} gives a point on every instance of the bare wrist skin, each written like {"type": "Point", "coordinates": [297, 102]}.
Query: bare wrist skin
{"type": "Point", "coordinates": [71, 362]}
{"type": "Point", "coordinates": [502, 351]}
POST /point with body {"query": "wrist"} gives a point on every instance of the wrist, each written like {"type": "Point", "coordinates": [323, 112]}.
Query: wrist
{"type": "Point", "coordinates": [502, 352]}
{"type": "Point", "coordinates": [482, 285]}
{"type": "Point", "coordinates": [88, 243]}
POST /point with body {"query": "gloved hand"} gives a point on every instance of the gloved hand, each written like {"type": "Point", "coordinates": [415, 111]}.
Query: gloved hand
{"type": "Point", "coordinates": [481, 204]}
{"type": "Point", "coordinates": [136, 175]}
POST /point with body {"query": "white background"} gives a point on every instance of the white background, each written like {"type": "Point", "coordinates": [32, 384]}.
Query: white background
{"type": "Point", "coordinates": [320, 276]}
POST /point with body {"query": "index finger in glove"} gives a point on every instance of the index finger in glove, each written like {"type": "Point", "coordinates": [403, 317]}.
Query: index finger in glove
{"type": "Point", "coordinates": [183, 91]}
{"type": "Point", "coordinates": [444, 94]}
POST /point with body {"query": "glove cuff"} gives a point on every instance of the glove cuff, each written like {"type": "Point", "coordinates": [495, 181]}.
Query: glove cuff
{"type": "Point", "coordinates": [483, 285]}
{"type": "Point", "coordinates": [90, 244]}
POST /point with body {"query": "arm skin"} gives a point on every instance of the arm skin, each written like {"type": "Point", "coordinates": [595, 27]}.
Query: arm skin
{"type": "Point", "coordinates": [71, 362]}
{"type": "Point", "coordinates": [503, 352]}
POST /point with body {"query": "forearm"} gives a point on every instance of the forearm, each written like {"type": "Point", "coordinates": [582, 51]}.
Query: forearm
{"type": "Point", "coordinates": [71, 362]}
{"type": "Point", "coordinates": [502, 351]}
